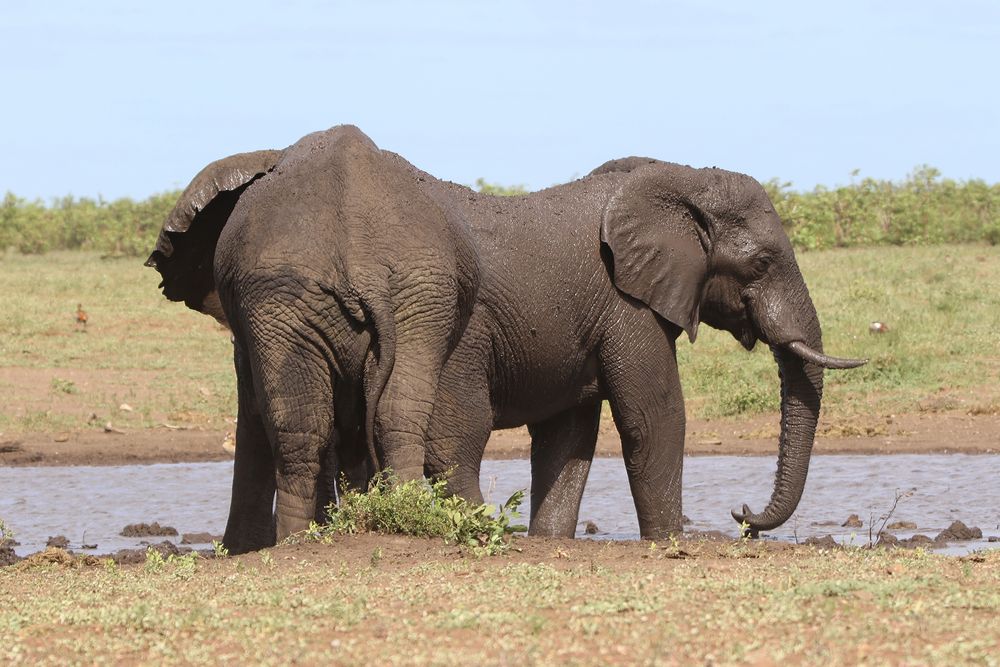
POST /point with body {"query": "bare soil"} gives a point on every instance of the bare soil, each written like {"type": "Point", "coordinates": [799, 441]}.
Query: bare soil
{"type": "Point", "coordinates": [921, 433]}
{"type": "Point", "coordinates": [939, 426]}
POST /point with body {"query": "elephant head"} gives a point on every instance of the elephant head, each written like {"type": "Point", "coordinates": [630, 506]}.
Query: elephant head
{"type": "Point", "coordinates": [707, 245]}
{"type": "Point", "coordinates": [185, 248]}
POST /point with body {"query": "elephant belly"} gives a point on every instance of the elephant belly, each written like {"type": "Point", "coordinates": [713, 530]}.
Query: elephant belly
{"type": "Point", "coordinates": [543, 390]}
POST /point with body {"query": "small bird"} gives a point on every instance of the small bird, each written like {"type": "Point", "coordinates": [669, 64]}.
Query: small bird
{"type": "Point", "coordinates": [81, 316]}
{"type": "Point", "coordinates": [878, 327]}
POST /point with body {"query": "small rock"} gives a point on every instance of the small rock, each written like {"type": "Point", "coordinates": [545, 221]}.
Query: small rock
{"type": "Point", "coordinates": [917, 540]}
{"type": "Point", "coordinates": [108, 428]}
{"type": "Point", "coordinates": [59, 542]}
{"type": "Point", "coordinates": [825, 542]}
{"type": "Point", "coordinates": [878, 327]}
{"type": "Point", "coordinates": [88, 547]}
{"type": "Point", "coordinates": [887, 540]}
{"type": "Point", "coordinates": [125, 407]}
{"type": "Point", "coordinates": [199, 538]}
{"type": "Point", "coordinates": [147, 530]}
{"type": "Point", "coordinates": [685, 520]}
{"type": "Point", "coordinates": [61, 437]}
{"type": "Point", "coordinates": [853, 521]}
{"type": "Point", "coordinates": [591, 528]}
{"type": "Point", "coordinates": [994, 538]}
{"type": "Point", "coordinates": [10, 446]}
{"type": "Point", "coordinates": [7, 556]}
{"type": "Point", "coordinates": [902, 525]}
{"type": "Point", "coordinates": [204, 392]}
{"type": "Point", "coordinates": [132, 556]}
{"type": "Point", "coordinates": [958, 531]}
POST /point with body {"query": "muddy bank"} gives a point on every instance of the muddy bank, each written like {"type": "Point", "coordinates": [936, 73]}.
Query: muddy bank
{"type": "Point", "coordinates": [918, 433]}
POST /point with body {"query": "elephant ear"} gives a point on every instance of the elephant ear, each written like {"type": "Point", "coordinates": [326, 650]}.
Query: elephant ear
{"type": "Point", "coordinates": [659, 242]}
{"type": "Point", "coordinates": [185, 249]}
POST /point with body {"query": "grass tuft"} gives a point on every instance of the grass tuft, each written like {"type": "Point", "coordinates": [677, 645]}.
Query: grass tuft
{"type": "Point", "coordinates": [422, 509]}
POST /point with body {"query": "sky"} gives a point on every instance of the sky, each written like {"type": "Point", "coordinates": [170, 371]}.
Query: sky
{"type": "Point", "coordinates": [133, 98]}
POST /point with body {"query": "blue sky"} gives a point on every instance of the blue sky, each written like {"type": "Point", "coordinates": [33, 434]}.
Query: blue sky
{"type": "Point", "coordinates": [131, 98]}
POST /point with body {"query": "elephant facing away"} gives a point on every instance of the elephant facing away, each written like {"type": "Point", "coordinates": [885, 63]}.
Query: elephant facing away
{"type": "Point", "coordinates": [584, 289]}
{"type": "Point", "coordinates": [346, 288]}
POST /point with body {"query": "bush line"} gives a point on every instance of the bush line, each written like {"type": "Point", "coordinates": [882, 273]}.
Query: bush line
{"type": "Point", "coordinates": [924, 209]}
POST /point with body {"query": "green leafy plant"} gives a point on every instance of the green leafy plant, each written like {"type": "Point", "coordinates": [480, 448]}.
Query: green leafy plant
{"type": "Point", "coordinates": [5, 533]}
{"type": "Point", "coordinates": [422, 509]}
{"type": "Point", "coordinates": [219, 549]}
{"type": "Point", "coordinates": [63, 386]}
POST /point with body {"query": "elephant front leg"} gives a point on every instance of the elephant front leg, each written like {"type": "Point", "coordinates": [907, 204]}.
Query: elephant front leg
{"type": "Point", "coordinates": [562, 449]}
{"type": "Point", "coordinates": [648, 407]}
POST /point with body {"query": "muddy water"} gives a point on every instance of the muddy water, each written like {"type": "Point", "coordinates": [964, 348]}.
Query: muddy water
{"type": "Point", "coordinates": [90, 505]}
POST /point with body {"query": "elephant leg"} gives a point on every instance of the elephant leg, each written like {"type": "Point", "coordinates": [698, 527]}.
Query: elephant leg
{"type": "Point", "coordinates": [294, 387]}
{"type": "Point", "coordinates": [407, 402]}
{"type": "Point", "coordinates": [562, 448]}
{"type": "Point", "coordinates": [648, 407]}
{"type": "Point", "coordinates": [251, 511]}
{"type": "Point", "coordinates": [458, 432]}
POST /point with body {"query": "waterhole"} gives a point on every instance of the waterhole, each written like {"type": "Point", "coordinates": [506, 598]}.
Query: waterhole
{"type": "Point", "coordinates": [91, 505]}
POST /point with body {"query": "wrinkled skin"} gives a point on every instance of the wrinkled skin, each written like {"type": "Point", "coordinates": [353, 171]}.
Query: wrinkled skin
{"type": "Point", "coordinates": [345, 288]}
{"type": "Point", "coordinates": [585, 289]}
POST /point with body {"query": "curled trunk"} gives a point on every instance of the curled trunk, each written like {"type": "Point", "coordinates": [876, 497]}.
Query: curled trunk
{"type": "Point", "coordinates": [801, 392]}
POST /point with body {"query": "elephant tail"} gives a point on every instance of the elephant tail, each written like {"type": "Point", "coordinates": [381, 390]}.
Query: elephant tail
{"type": "Point", "coordinates": [379, 311]}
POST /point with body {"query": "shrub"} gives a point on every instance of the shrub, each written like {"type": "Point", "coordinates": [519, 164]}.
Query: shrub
{"type": "Point", "coordinates": [422, 509]}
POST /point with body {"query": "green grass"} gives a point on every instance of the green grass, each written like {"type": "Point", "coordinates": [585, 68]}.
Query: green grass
{"type": "Point", "coordinates": [166, 361]}
{"type": "Point", "coordinates": [171, 364]}
{"type": "Point", "coordinates": [583, 603]}
{"type": "Point", "coordinates": [942, 310]}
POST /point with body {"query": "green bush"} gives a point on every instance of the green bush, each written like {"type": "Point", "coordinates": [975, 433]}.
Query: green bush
{"type": "Point", "coordinates": [923, 209]}
{"type": "Point", "coordinates": [422, 509]}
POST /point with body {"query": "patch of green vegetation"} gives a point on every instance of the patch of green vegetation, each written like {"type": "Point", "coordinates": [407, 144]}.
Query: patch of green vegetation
{"type": "Point", "coordinates": [174, 365]}
{"type": "Point", "coordinates": [63, 386]}
{"type": "Point", "coordinates": [924, 209]}
{"type": "Point", "coordinates": [500, 190]}
{"type": "Point", "coordinates": [423, 509]}
{"type": "Point", "coordinates": [942, 330]}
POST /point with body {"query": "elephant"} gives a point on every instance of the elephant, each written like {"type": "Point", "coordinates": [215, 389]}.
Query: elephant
{"type": "Point", "coordinates": [345, 288]}
{"type": "Point", "coordinates": [585, 289]}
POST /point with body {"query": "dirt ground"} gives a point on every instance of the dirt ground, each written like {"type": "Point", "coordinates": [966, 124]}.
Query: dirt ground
{"type": "Point", "coordinates": [98, 433]}
{"type": "Point", "coordinates": [943, 432]}
{"type": "Point", "coordinates": [371, 599]}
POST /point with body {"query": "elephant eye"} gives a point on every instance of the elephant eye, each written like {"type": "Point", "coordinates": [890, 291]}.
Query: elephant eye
{"type": "Point", "coordinates": [759, 264]}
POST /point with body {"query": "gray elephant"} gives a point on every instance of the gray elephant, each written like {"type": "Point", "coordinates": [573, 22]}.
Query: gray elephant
{"type": "Point", "coordinates": [346, 288]}
{"type": "Point", "coordinates": [585, 289]}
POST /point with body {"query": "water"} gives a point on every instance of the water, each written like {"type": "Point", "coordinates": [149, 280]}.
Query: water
{"type": "Point", "coordinates": [92, 504]}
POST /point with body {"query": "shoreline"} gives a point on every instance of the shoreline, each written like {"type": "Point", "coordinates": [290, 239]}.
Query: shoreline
{"type": "Point", "coordinates": [949, 432]}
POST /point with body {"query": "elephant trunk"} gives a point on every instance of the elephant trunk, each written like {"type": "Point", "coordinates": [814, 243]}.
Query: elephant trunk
{"type": "Point", "coordinates": [801, 392]}
{"type": "Point", "coordinates": [789, 324]}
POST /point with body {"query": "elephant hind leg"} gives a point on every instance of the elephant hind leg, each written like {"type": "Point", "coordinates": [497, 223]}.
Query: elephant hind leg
{"type": "Point", "coordinates": [251, 510]}
{"type": "Point", "coordinates": [562, 448]}
{"type": "Point", "coordinates": [459, 430]}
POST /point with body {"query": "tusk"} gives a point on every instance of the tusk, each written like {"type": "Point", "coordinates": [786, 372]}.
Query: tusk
{"type": "Point", "coordinates": [820, 359]}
